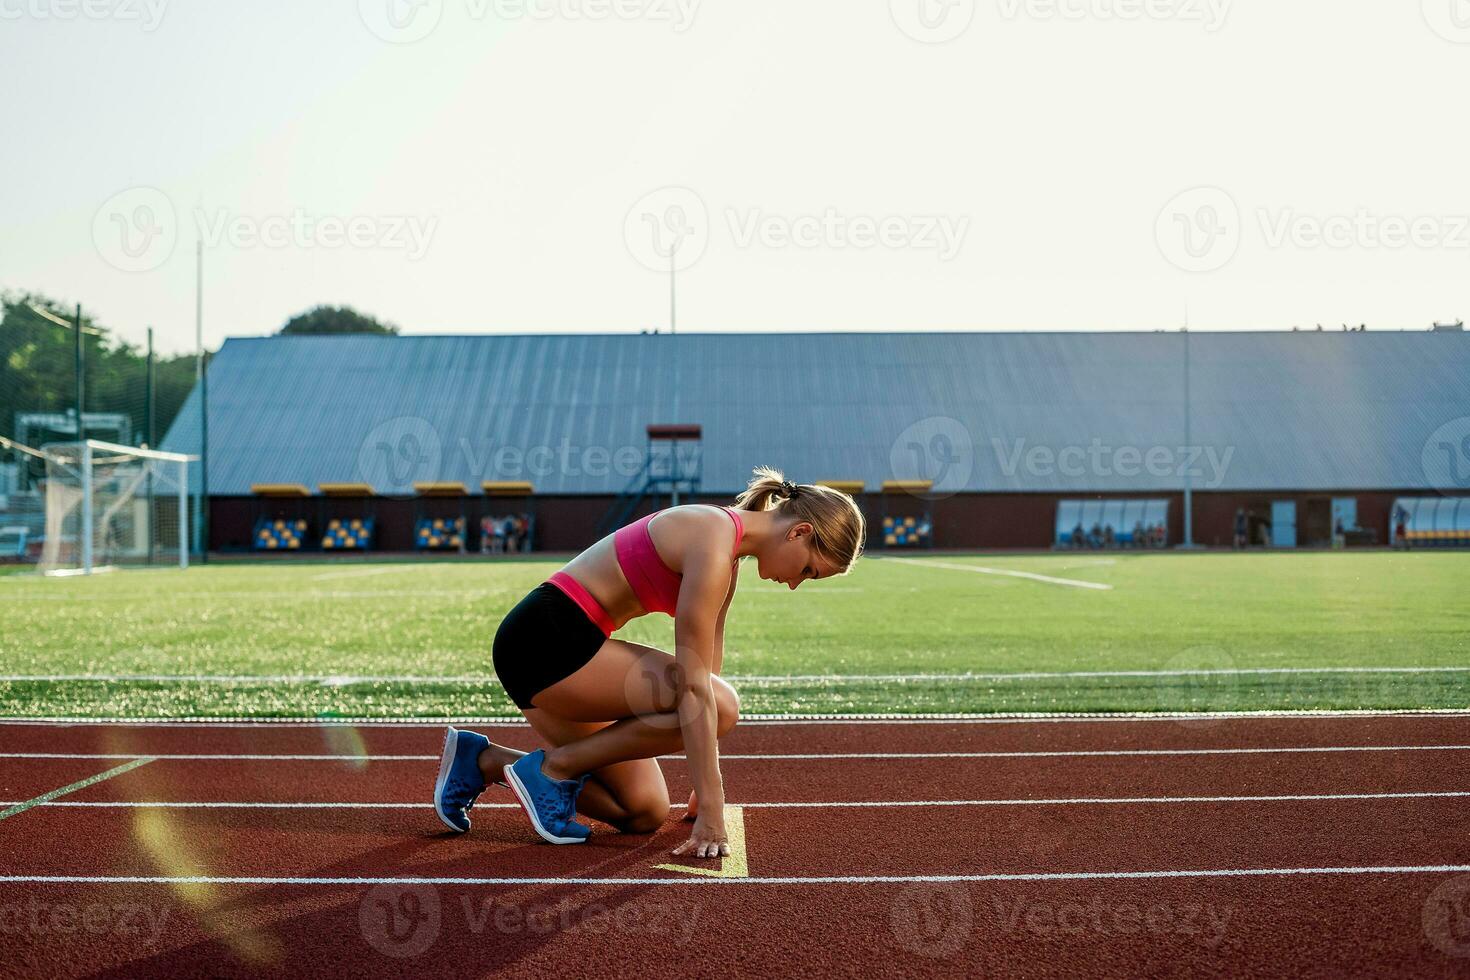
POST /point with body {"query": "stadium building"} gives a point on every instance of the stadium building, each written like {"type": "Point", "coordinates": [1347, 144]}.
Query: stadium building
{"type": "Point", "coordinates": [958, 440]}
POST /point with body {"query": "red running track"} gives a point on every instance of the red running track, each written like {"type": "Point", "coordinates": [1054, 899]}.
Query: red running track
{"type": "Point", "coordinates": [435, 903]}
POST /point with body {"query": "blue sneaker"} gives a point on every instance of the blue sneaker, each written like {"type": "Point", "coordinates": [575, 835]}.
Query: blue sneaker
{"type": "Point", "coordinates": [460, 782]}
{"type": "Point", "coordinates": [550, 803]}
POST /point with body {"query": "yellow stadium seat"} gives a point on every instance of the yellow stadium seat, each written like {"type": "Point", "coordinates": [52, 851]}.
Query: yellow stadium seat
{"type": "Point", "coordinates": [433, 541]}
{"type": "Point", "coordinates": [890, 539]}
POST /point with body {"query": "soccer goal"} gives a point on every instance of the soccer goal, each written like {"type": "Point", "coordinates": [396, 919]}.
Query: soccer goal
{"type": "Point", "coordinates": [109, 505]}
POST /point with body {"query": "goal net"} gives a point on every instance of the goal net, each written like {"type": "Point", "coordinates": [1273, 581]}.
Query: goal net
{"type": "Point", "coordinates": [109, 505]}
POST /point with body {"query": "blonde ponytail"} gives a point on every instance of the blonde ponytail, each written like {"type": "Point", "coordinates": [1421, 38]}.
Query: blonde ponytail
{"type": "Point", "coordinates": [839, 529]}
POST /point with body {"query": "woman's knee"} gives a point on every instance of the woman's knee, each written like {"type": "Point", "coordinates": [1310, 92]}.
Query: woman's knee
{"type": "Point", "coordinates": [645, 813]}
{"type": "Point", "coordinates": [727, 703]}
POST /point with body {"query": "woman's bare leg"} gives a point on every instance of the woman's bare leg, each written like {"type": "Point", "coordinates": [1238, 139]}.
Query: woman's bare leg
{"type": "Point", "coordinates": [635, 687]}
{"type": "Point", "coordinates": [631, 796]}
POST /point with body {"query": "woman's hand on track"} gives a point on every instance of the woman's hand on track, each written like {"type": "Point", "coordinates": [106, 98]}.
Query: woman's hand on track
{"type": "Point", "coordinates": [707, 839]}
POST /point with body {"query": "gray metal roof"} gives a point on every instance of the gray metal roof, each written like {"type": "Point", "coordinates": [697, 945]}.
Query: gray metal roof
{"type": "Point", "coordinates": [1055, 412]}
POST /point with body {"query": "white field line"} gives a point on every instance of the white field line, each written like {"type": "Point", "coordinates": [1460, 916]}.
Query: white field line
{"type": "Point", "coordinates": [692, 880]}
{"type": "Point", "coordinates": [1010, 572]}
{"type": "Point", "coordinates": [828, 804]}
{"type": "Point", "coordinates": [749, 720]}
{"type": "Point", "coordinates": [343, 680]}
{"type": "Point", "coordinates": [770, 756]}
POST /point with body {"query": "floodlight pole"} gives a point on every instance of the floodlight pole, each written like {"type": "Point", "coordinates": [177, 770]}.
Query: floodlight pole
{"type": "Point", "coordinates": [148, 437]}
{"type": "Point", "coordinates": [85, 532]}
{"type": "Point", "coordinates": [81, 376]}
{"type": "Point", "coordinates": [1188, 496]}
{"type": "Point", "coordinates": [202, 376]}
{"type": "Point", "coordinates": [183, 513]}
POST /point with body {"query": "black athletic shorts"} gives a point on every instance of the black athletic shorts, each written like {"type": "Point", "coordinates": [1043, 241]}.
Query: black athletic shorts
{"type": "Point", "coordinates": [545, 638]}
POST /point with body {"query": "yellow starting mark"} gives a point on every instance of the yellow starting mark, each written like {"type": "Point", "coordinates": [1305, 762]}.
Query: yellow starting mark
{"type": "Point", "coordinates": [734, 866]}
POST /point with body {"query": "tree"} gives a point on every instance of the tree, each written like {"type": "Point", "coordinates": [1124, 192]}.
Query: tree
{"type": "Point", "coordinates": [335, 320]}
{"type": "Point", "coordinates": [38, 368]}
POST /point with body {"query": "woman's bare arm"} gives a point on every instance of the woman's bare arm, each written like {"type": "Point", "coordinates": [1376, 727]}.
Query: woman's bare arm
{"type": "Point", "coordinates": [707, 580]}
{"type": "Point", "coordinates": [719, 658]}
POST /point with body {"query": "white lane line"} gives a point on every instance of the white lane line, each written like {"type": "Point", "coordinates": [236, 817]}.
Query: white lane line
{"type": "Point", "coordinates": [773, 756]}
{"type": "Point", "coordinates": [825, 804]}
{"type": "Point", "coordinates": [691, 880]}
{"type": "Point", "coordinates": [1011, 572]}
{"type": "Point", "coordinates": [21, 806]}
{"type": "Point", "coordinates": [338, 680]}
{"type": "Point", "coordinates": [753, 719]}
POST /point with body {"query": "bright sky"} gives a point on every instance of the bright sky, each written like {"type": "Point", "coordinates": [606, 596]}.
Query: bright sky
{"type": "Point", "coordinates": [469, 166]}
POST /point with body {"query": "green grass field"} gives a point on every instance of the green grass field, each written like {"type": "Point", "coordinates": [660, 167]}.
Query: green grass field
{"type": "Point", "coordinates": [421, 633]}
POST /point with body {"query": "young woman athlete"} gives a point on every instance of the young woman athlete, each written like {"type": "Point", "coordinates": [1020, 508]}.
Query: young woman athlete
{"type": "Point", "coordinates": [610, 707]}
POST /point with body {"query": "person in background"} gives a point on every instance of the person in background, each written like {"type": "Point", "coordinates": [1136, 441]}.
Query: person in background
{"type": "Point", "coordinates": [1240, 529]}
{"type": "Point", "coordinates": [1078, 535]}
{"type": "Point", "coordinates": [1400, 528]}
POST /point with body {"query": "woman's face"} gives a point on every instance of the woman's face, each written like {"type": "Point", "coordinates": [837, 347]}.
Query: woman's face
{"type": "Point", "coordinates": [791, 560]}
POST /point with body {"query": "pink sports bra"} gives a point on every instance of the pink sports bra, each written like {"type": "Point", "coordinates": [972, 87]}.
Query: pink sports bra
{"type": "Point", "coordinates": [655, 585]}
{"type": "Point", "coordinates": [653, 582]}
